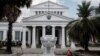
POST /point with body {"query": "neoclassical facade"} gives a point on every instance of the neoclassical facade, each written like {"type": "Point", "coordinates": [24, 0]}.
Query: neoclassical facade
{"type": "Point", "coordinates": [47, 18]}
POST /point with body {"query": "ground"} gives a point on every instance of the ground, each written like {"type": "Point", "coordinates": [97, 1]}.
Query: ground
{"type": "Point", "coordinates": [17, 51]}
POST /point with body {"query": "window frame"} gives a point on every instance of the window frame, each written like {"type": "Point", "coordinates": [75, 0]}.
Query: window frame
{"type": "Point", "coordinates": [1, 37]}
{"type": "Point", "coordinates": [18, 38]}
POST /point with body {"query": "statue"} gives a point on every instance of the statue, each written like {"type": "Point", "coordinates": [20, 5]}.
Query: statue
{"type": "Point", "coordinates": [48, 43]}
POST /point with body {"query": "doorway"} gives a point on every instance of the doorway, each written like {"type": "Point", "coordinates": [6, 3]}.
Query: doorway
{"type": "Point", "coordinates": [38, 37]}
{"type": "Point", "coordinates": [58, 35]}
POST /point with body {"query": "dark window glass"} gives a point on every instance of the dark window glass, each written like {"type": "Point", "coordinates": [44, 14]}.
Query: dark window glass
{"type": "Point", "coordinates": [17, 35]}
{"type": "Point", "coordinates": [1, 35]}
{"type": "Point", "coordinates": [61, 12]}
{"type": "Point", "coordinates": [48, 30]}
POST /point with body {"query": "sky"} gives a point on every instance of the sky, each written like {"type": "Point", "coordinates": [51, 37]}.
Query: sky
{"type": "Point", "coordinates": [71, 4]}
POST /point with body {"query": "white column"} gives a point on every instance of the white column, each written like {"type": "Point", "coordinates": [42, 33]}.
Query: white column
{"type": "Point", "coordinates": [63, 37]}
{"type": "Point", "coordinates": [24, 38]}
{"type": "Point", "coordinates": [53, 34]}
{"type": "Point", "coordinates": [5, 35]}
{"type": "Point", "coordinates": [53, 31]}
{"type": "Point", "coordinates": [43, 31]}
{"type": "Point", "coordinates": [20, 35]}
{"type": "Point", "coordinates": [33, 37]}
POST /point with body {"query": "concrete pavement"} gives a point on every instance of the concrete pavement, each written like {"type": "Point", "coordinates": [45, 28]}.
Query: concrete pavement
{"type": "Point", "coordinates": [17, 51]}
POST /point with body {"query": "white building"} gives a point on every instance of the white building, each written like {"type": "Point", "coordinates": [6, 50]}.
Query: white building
{"type": "Point", "coordinates": [47, 18]}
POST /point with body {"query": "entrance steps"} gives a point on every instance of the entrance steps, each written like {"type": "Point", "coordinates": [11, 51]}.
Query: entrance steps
{"type": "Point", "coordinates": [38, 55]}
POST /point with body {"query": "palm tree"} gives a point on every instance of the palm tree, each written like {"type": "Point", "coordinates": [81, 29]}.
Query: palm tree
{"type": "Point", "coordinates": [82, 29]}
{"type": "Point", "coordinates": [10, 10]}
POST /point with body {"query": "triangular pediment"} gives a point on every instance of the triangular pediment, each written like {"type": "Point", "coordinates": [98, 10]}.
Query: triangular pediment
{"type": "Point", "coordinates": [45, 5]}
{"type": "Point", "coordinates": [44, 17]}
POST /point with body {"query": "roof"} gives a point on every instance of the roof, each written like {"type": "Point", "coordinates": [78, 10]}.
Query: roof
{"type": "Point", "coordinates": [49, 2]}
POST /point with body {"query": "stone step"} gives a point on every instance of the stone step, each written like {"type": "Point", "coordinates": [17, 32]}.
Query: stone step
{"type": "Point", "coordinates": [38, 55]}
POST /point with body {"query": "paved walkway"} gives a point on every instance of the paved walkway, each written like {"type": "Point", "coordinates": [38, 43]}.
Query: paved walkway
{"type": "Point", "coordinates": [17, 51]}
{"type": "Point", "coordinates": [38, 55]}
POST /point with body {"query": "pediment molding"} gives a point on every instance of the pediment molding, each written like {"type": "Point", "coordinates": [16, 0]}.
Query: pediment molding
{"type": "Point", "coordinates": [53, 5]}
{"type": "Point", "coordinates": [43, 17]}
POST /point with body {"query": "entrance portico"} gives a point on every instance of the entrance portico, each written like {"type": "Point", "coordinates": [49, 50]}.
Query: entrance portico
{"type": "Point", "coordinates": [42, 31]}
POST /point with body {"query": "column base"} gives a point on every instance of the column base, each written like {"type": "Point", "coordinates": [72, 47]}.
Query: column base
{"type": "Point", "coordinates": [63, 46]}
{"type": "Point", "coordinates": [23, 46]}
{"type": "Point", "coordinates": [33, 46]}
{"type": "Point", "coordinates": [54, 46]}
{"type": "Point", "coordinates": [42, 46]}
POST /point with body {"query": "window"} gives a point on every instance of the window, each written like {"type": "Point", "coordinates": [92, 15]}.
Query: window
{"type": "Point", "coordinates": [57, 12]}
{"type": "Point", "coordinates": [1, 35]}
{"type": "Point", "coordinates": [17, 35]}
{"type": "Point", "coordinates": [39, 12]}
{"type": "Point", "coordinates": [42, 11]}
{"type": "Point", "coordinates": [61, 13]}
{"type": "Point", "coordinates": [36, 12]}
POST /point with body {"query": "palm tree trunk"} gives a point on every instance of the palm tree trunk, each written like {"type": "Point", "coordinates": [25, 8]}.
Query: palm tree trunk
{"type": "Point", "coordinates": [9, 38]}
{"type": "Point", "coordinates": [86, 47]}
{"type": "Point", "coordinates": [86, 43]}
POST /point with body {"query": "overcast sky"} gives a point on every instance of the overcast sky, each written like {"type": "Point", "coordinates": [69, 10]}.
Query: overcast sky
{"type": "Point", "coordinates": [72, 4]}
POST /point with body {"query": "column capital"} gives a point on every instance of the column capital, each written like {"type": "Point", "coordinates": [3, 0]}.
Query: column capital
{"type": "Point", "coordinates": [63, 26]}
{"type": "Point", "coordinates": [43, 25]}
{"type": "Point", "coordinates": [33, 25]}
{"type": "Point", "coordinates": [53, 26]}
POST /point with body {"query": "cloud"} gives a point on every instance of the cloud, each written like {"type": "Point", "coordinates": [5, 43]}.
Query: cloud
{"type": "Point", "coordinates": [93, 2]}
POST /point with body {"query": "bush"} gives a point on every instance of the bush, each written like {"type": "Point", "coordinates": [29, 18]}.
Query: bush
{"type": "Point", "coordinates": [0, 44]}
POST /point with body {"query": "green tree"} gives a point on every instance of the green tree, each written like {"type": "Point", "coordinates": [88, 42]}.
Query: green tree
{"type": "Point", "coordinates": [82, 29]}
{"type": "Point", "coordinates": [96, 21]}
{"type": "Point", "coordinates": [97, 10]}
{"type": "Point", "coordinates": [10, 10]}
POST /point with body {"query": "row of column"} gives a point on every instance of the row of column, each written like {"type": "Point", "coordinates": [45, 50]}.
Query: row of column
{"type": "Point", "coordinates": [43, 35]}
